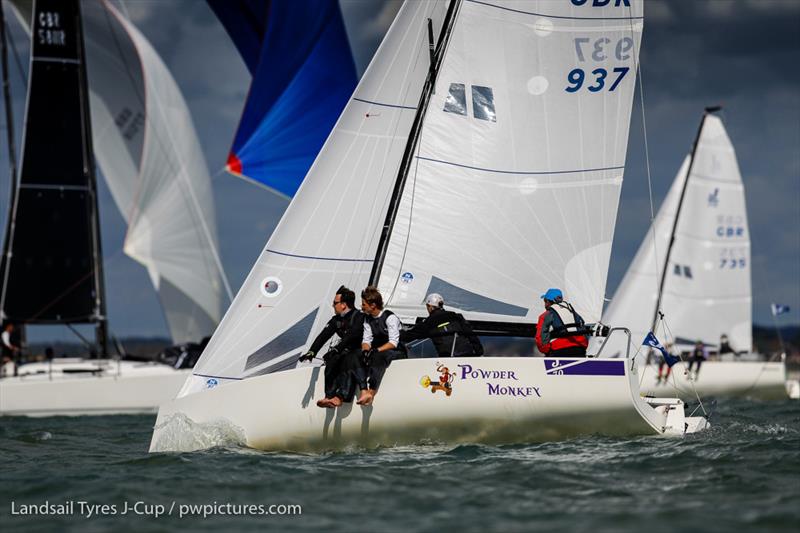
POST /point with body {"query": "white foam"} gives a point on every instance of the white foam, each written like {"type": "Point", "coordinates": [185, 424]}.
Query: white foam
{"type": "Point", "coordinates": [180, 433]}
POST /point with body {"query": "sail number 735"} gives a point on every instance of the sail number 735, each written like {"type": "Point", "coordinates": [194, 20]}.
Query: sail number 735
{"type": "Point", "coordinates": [598, 81]}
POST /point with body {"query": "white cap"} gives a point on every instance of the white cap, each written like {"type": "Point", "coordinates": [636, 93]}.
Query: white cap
{"type": "Point", "coordinates": [434, 300]}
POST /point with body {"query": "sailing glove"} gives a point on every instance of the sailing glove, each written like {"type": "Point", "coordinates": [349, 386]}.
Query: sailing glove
{"type": "Point", "coordinates": [308, 356]}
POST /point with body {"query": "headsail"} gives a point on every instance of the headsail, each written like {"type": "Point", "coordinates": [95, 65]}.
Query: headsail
{"type": "Point", "coordinates": [303, 74]}
{"type": "Point", "coordinates": [329, 233]}
{"type": "Point", "coordinates": [706, 283]}
{"type": "Point", "coordinates": [148, 151]}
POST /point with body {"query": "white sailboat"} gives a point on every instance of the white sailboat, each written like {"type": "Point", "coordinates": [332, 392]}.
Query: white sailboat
{"type": "Point", "coordinates": [149, 153]}
{"type": "Point", "coordinates": [697, 272]}
{"type": "Point", "coordinates": [502, 181]}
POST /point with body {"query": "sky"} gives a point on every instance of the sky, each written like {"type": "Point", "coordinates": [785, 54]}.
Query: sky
{"type": "Point", "coordinates": [742, 54]}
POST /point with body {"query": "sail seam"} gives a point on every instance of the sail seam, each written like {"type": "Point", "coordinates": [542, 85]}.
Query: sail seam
{"type": "Point", "coordinates": [48, 59]}
{"type": "Point", "coordinates": [298, 256]}
{"type": "Point", "coordinates": [54, 187]}
{"type": "Point", "coordinates": [397, 106]}
{"type": "Point", "coordinates": [525, 172]}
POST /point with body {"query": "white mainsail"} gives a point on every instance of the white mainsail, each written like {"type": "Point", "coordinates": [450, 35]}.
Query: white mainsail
{"type": "Point", "coordinates": [518, 171]}
{"type": "Point", "coordinates": [148, 151]}
{"type": "Point", "coordinates": [514, 183]}
{"type": "Point", "coordinates": [706, 290]}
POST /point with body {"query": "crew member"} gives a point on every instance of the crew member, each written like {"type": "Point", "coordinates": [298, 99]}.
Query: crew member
{"type": "Point", "coordinates": [560, 330]}
{"type": "Point", "coordinates": [10, 350]}
{"type": "Point", "coordinates": [698, 355]}
{"type": "Point", "coordinates": [380, 344]}
{"type": "Point", "coordinates": [348, 324]}
{"type": "Point", "coordinates": [725, 345]}
{"type": "Point", "coordinates": [450, 333]}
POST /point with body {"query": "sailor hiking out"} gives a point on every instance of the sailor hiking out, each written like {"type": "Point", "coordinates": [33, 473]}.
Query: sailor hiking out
{"type": "Point", "coordinates": [560, 331]}
{"type": "Point", "coordinates": [380, 345]}
{"type": "Point", "coordinates": [450, 333]}
{"type": "Point", "coordinates": [348, 324]}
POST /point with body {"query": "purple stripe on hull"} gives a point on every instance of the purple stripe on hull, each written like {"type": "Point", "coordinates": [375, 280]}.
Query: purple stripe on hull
{"type": "Point", "coordinates": [585, 367]}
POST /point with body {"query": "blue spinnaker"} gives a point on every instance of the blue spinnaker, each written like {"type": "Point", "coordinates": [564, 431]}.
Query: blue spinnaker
{"type": "Point", "coordinates": [305, 74]}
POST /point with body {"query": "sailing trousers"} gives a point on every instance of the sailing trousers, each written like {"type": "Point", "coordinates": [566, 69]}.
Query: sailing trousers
{"type": "Point", "coordinates": [369, 376]}
{"type": "Point", "coordinates": [338, 374]}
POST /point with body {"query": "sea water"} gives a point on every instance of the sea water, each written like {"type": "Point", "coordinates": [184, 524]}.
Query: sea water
{"type": "Point", "coordinates": [94, 474]}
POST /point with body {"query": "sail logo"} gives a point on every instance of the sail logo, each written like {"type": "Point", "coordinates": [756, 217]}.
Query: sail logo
{"type": "Point", "coordinates": [271, 287]}
{"type": "Point", "coordinates": [211, 383]}
{"type": "Point", "coordinates": [407, 277]}
{"type": "Point", "coordinates": [713, 198]}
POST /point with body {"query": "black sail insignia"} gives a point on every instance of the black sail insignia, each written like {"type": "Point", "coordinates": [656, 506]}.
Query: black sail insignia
{"type": "Point", "coordinates": [52, 270]}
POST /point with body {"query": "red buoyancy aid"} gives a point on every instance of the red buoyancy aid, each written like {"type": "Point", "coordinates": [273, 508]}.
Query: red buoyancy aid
{"type": "Point", "coordinates": [568, 318]}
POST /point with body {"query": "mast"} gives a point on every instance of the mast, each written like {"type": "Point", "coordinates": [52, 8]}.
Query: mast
{"type": "Point", "coordinates": [12, 151]}
{"type": "Point", "coordinates": [656, 312]}
{"type": "Point", "coordinates": [408, 154]}
{"type": "Point", "coordinates": [100, 317]}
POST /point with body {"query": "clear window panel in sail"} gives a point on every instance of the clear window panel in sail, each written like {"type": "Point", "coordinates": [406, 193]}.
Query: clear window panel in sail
{"type": "Point", "coordinates": [483, 103]}
{"type": "Point", "coordinates": [456, 99]}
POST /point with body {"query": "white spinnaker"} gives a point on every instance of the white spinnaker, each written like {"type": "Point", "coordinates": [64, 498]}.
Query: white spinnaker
{"type": "Point", "coordinates": [147, 148]}
{"type": "Point", "coordinates": [329, 233]}
{"type": "Point", "coordinates": [498, 208]}
{"type": "Point", "coordinates": [707, 287]}
{"type": "Point", "coordinates": [148, 151]}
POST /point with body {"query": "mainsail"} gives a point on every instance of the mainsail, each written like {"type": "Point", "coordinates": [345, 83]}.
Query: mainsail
{"type": "Point", "coordinates": [303, 74]}
{"type": "Point", "coordinates": [704, 273]}
{"type": "Point", "coordinates": [148, 151]}
{"type": "Point", "coordinates": [52, 267]}
{"type": "Point", "coordinates": [502, 181]}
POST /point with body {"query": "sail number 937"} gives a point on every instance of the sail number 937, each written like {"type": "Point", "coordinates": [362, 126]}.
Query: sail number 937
{"type": "Point", "coordinates": [577, 77]}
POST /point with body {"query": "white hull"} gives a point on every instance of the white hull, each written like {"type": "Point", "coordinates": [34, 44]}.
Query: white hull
{"type": "Point", "coordinates": [89, 387]}
{"type": "Point", "coordinates": [493, 399]}
{"type": "Point", "coordinates": [752, 379]}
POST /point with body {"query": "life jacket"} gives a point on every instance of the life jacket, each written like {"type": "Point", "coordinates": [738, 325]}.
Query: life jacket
{"type": "Point", "coordinates": [448, 334]}
{"type": "Point", "coordinates": [380, 330]}
{"type": "Point", "coordinates": [566, 322]}
{"type": "Point", "coordinates": [569, 329]}
{"type": "Point", "coordinates": [349, 328]}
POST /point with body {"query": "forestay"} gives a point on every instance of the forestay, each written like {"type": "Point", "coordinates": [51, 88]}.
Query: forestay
{"type": "Point", "coordinates": [517, 172]}
{"type": "Point", "coordinates": [706, 290]}
{"type": "Point", "coordinates": [329, 233]}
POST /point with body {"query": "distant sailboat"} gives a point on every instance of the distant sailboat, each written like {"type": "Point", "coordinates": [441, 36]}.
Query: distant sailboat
{"type": "Point", "coordinates": [145, 143]}
{"type": "Point", "coordinates": [481, 157]}
{"type": "Point", "coordinates": [698, 274]}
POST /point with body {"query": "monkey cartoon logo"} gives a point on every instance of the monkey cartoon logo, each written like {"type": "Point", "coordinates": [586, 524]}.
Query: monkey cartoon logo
{"type": "Point", "coordinates": [445, 382]}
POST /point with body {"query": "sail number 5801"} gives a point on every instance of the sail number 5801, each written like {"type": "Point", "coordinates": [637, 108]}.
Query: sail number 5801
{"type": "Point", "coordinates": [577, 76]}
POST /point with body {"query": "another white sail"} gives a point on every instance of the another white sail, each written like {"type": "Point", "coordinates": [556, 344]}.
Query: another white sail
{"type": "Point", "coordinates": [706, 291]}
{"type": "Point", "coordinates": [148, 151]}
{"type": "Point", "coordinates": [514, 187]}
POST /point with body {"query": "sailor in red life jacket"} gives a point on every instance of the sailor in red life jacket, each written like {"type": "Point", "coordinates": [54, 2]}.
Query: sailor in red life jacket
{"type": "Point", "coordinates": [559, 330]}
